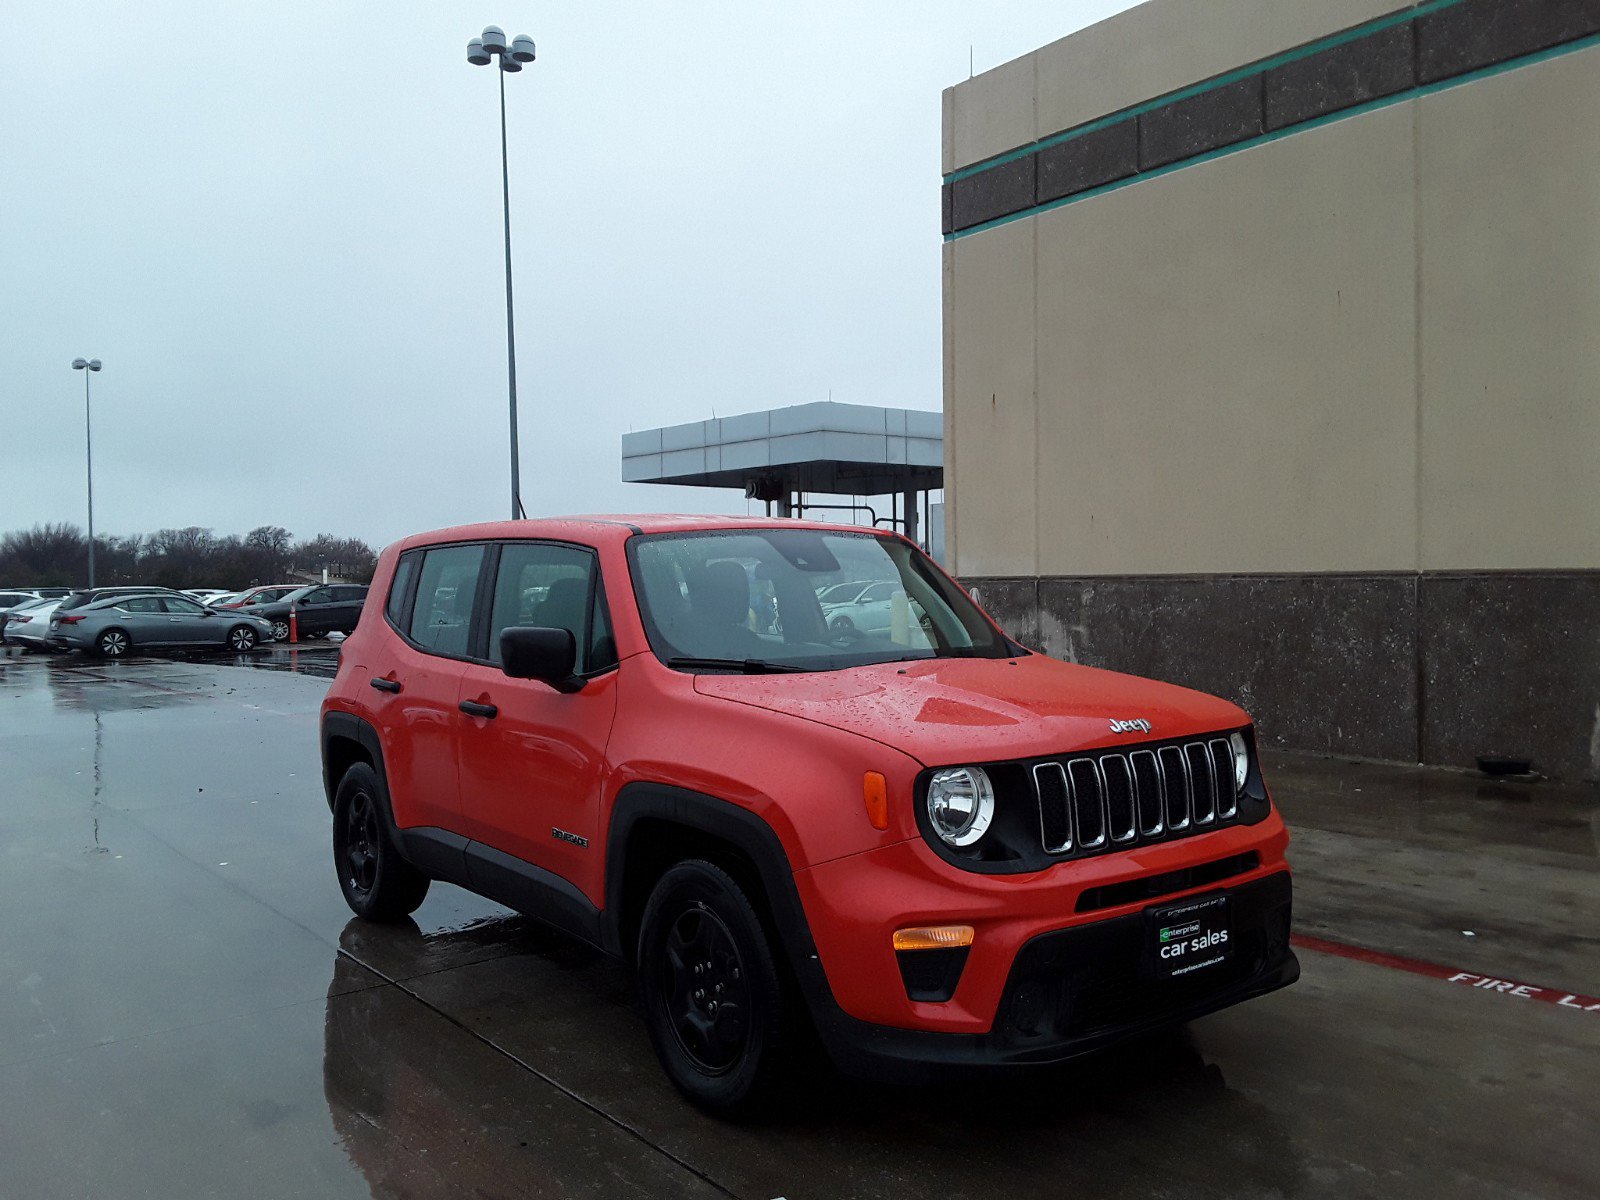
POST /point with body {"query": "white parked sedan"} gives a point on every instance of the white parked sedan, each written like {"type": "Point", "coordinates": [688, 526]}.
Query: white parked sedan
{"type": "Point", "coordinates": [29, 626]}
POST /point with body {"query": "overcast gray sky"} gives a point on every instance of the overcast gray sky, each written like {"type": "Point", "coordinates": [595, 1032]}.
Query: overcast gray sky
{"type": "Point", "coordinates": [279, 225]}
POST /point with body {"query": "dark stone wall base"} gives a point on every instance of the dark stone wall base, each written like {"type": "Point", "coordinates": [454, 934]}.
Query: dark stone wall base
{"type": "Point", "coordinates": [1432, 668]}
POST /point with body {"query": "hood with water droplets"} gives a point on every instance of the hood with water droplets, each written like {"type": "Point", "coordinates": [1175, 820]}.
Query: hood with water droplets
{"type": "Point", "coordinates": [972, 710]}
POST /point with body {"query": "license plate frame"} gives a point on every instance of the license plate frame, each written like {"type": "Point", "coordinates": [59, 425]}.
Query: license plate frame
{"type": "Point", "coordinates": [1190, 938]}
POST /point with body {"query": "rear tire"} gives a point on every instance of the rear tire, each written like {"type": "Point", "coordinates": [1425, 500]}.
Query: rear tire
{"type": "Point", "coordinates": [378, 884]}
{"type": "Point", "coordinates": [715, 1002]}
{"type": "Point", "coordinates": [113, 643]}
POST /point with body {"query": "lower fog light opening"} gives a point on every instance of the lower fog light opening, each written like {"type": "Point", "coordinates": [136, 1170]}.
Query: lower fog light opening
{"type": "Point", "coordinates": [931, 959]}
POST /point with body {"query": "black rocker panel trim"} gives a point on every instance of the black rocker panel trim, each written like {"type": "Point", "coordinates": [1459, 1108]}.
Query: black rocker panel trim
{"type": "Point", "coordinates": [437, 853]}
{"type": "Point", "coordinates": [532, 891]}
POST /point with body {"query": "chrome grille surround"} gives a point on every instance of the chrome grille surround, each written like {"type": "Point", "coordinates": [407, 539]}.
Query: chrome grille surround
{"type": "Point", "coordinates": [1109, 799]}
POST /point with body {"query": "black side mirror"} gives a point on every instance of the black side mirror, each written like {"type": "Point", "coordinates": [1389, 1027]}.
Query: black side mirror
{"type": "Point", "coordinates": [548, 655]}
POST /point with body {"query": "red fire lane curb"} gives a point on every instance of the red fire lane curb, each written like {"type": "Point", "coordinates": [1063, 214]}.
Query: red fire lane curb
{"type": "Point", "coordinates": [1416, 966]}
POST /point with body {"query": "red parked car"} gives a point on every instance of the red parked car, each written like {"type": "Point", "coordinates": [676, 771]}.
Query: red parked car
{"type": "Point", "coordinates": [260, 595]}
{"type": "Point", "coordinates": [926, 845]}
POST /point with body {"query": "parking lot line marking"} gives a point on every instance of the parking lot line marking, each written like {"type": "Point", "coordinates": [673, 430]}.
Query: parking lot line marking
{"type": "Point", "coordinates": [1486, 983]}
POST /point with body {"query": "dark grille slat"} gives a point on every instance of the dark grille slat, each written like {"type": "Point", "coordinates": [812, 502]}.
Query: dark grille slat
{"type": "Point", "coordinates": [1117, 776]}
{"type": "Point", "coordinates": [1088, 802]}
{"type": "Point", "coordinates": [1175, 774]}
{"type": "Point", "coordinates": [1222, 760]}
{"type": "Point", "coordinates": [1202, 783]}
{"type": "Point", "coordinates": [1147, 787]}
{"type": "Point", "coordinates": [1055, 821]}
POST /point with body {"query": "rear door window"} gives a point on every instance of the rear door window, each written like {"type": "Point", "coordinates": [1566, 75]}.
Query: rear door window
{"type": "Point", "coordinates": [447, 588]}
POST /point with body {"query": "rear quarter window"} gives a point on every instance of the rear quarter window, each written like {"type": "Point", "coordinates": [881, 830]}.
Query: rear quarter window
{"type": "Point", "coordinates": [398, 604]}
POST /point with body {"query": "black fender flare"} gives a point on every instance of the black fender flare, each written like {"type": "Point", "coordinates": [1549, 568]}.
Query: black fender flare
{"type": "Point", "coordinates": [742, 829]}
{"type": "Point", "coordinates": [345, 725]}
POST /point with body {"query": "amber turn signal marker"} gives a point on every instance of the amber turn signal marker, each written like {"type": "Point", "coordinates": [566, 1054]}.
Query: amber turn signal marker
{"type": "Point", "coordinates": [933, 937]}
{"type": "Point", "coordinates": [875, 792]}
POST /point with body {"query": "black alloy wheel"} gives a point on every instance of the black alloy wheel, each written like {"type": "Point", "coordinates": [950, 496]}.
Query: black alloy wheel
{"type": "Point", "coordinates": [241, 638]}
{"type": "Point", "coordinates": [377, 882]}
{"type": "Point", "coordinates": [113, 643]}
{"type": "Point", "coordinates": [361, 844]}
{"type": "Point", "coordinates": [707, 992]}
{"type": "Point", "coordinates": [715, 1002]}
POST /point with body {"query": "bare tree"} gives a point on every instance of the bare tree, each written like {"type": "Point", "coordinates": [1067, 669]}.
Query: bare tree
{"type": "Point", "coordinates": [267, 553]}
{"type": "Point", "coordinates": [45, 556]}
{"type": "Point", "coordinates": [57, 555]}
{"type": "Point", "coordinates": [347, 558]}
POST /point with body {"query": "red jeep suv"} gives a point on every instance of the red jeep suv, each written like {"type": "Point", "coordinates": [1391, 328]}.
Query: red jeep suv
{"type": "Point", "coordinates": [923, 844]}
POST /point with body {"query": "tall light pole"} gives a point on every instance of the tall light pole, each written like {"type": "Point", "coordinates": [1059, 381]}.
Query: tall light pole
{"type": "Point", "coordinates": [88, 366]}
{"type": "Point", "coordinates": [481, 51]}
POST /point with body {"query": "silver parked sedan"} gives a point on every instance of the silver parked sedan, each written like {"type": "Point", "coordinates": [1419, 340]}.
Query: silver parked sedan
{"type": "Point", "coordinates": [116, 624]}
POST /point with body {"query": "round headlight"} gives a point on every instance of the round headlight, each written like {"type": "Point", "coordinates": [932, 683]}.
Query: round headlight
{"type": "Point", "coordinates": [1241, 760]}
{"type": "Point", "coordinates": [960, 804]}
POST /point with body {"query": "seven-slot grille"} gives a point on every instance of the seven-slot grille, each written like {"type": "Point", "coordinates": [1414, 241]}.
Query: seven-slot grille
{"type": "Point", "coordinates": [1116, 798]}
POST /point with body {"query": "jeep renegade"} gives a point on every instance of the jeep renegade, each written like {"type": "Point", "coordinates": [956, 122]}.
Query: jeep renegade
{"type": "Point", "coordinates": [908, 836]}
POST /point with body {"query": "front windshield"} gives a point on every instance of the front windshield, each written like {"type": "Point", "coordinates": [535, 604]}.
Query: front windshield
{"type": "Point", "coordinates": [801, 599]}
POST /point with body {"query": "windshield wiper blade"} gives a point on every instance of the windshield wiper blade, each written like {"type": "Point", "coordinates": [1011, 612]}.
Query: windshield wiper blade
{"type": "Point", "coordinates": [748, 666]}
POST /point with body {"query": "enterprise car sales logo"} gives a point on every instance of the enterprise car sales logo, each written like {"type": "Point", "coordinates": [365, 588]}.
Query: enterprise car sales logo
{"type": "Point", "coordinates": [1139, 725]}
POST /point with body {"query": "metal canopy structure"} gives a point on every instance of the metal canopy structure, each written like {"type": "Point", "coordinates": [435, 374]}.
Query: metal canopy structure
{"type": "Point", "coordinates": [777, 455]}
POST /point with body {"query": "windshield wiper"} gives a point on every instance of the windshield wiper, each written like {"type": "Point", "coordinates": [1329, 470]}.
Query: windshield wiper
{"type": "Point", "coordinates": [748, 666]}
{"type": "Point", "coordinates": [947, 652]}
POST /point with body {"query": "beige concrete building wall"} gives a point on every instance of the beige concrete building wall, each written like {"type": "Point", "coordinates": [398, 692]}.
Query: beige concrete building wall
{"type": "Point", "coordinates": [1249, 346]}
{"type": "Point", "coordinates": [1125, 60]}
{"type": "Point", "coordinates": [1269, 333]}
{"type": "Point", "coordinates": [1244, 331]}
{"type": "Point", "coordinates": [1272, 337]}
{"type": "Point", "coordinates": [1509, 255]}
{"type": "Point", "coordinates": [993, 365]}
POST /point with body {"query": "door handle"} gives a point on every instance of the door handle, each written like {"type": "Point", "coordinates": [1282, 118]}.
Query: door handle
{"type": "Point", "coordinates": [385, 685]}
{"type": "Point", "coordinates": [473, 709]}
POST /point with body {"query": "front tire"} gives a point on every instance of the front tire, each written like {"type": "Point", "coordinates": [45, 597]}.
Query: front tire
{"type": "Point", "coordinates": [241, 639]}
{"type": "Point", "coordinates": [378, 884]}
{"type": "Point", "coordinates": [713, 996]}
{"type": "Point", "coordinates": [113, 643]}
{"type": "Point", "coordinates": [280, 630]}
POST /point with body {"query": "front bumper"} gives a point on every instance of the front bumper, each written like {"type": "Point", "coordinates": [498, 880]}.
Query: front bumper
{"type": "Point", "coordinates": [1076, 990]}
{"type": "Point", "coordinates": [854, 904]}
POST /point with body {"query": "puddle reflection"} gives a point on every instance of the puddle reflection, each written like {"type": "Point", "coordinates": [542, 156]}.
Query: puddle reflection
{"type": "Point", "coordinates": [1151, 1115]}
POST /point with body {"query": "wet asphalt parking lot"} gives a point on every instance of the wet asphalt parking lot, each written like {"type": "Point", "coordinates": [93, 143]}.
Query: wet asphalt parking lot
{"type": "Point", "coordinates": [188, 1009]}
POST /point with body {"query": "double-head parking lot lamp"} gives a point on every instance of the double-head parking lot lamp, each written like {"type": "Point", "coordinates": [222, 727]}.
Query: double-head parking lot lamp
{"type": "Point", "coordinates": [481, 51]}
